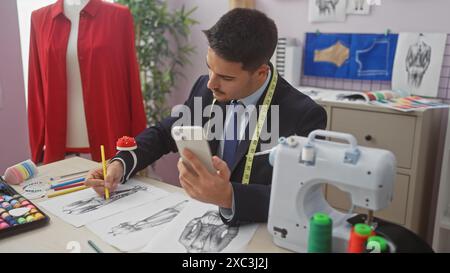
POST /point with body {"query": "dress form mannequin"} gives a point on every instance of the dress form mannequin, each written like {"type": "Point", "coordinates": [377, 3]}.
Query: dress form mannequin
{"type": "Point", "coordinates": [103, 52]}
{"type": "Point", "coordinates": [77, 135]}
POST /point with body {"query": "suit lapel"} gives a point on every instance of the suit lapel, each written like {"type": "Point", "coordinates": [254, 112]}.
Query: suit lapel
{"type": "Point", "coordinates": [241, 152]}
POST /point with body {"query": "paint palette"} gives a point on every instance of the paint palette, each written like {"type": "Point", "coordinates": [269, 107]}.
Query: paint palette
{"type": "Point", "coordinates": [18, 214]}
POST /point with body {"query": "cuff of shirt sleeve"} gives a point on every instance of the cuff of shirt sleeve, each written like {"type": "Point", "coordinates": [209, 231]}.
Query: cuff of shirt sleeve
{"type": "Point", "coordinates": [226, 212]}
{"type": "Point", "coordinates": [122, 180]}
{"type": "Point", "coordinates": [129, 161]}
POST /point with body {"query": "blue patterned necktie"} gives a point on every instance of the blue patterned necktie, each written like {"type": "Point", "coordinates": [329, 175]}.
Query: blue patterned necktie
{"type": "Point", "coordinates": [231, 140]}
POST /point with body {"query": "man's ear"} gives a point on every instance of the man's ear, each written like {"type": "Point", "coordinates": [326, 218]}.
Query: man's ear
{"type": "Point", "coordinates": [263, 70]}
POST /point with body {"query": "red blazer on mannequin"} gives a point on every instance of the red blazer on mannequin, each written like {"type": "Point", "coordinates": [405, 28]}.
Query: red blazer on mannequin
{"type": "Point", "coordinates": [109, 73]}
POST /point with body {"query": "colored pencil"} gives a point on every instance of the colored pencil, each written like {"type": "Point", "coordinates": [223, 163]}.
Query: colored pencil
{"type": "Point", "coordinates": [102, 149]}
{"type": "Point", "coordinates": [58, 193]}
{"type": "Point", "coordinates": [81, 179]}
{"type": "Point", "coordinates": [95, 247]}
{"type": "Point", "coordinates": [69, 186]}
{"type": "Point", "coordinates": [68, 179]}
{"type": "Point", "coordinates": [68, 175]}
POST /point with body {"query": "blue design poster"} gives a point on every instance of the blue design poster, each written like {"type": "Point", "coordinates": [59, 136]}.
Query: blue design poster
{"type": "Point", "coordinates": [350, 56]}
{"type": "Point", "coordinates": [372, 56]}
{"type": "Point", "coordinates": [325, 55]}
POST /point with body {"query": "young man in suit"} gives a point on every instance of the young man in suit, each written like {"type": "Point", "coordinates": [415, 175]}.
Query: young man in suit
{"type": "Point", "coordinates": [241, 44]}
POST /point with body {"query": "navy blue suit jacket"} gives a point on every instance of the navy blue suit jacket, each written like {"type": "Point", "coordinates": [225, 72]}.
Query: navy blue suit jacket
{"type": "Point", "coordinates": [299, 115]}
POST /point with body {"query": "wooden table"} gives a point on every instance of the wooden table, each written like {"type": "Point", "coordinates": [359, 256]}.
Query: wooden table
{"type": "Point", "coordinates": [59, 236]}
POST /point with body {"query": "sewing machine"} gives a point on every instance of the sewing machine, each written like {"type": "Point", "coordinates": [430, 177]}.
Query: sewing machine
{"type": "Point", "coordinates": [302, 165]}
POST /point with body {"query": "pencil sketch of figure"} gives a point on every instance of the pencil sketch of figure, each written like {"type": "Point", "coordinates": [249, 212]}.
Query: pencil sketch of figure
{"type": "Point", "coordinates": [327, 7]}
{"type": "Point", "coordinates": [374, 2]}
{"type": "Point", "coordinates": [207, 234]}
{"type": "Point", "coordinates": [417, 61]}
{"type": "Point", "coordinates": [159, 218]}
{"type": "Point", "coordinates": [359, 4]}
{"type": "Point", "coordinates": [94, 203]}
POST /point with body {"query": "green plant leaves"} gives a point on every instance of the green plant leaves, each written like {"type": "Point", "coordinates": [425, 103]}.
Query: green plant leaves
{"type": "Point", "coordinates": [162, 48]}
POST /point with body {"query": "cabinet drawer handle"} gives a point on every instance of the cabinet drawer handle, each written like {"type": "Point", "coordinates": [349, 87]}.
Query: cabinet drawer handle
{"type": "Point", "coordinates": [368, 137]}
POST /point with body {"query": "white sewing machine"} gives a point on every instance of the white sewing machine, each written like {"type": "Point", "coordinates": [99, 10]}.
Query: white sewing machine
{"type": "Point", "coordinates": [302, 165]}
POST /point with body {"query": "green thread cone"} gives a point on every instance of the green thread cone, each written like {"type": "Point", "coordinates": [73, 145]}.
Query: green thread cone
{"type": "Point", "coordinates": [320, 230]}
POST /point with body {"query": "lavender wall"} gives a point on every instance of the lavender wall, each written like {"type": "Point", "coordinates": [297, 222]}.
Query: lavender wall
{"type": "Point", "coordinates": [207, 14]}
{"type": "Point", "coordinates": [14, 133]}
{"type": "Point", "coordinates": [291, 17]}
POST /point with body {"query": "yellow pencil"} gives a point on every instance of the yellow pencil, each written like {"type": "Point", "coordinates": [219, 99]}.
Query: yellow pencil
{"type": "Point", "coordinates": [102, 149]}
{"type": "Point", "coordinates": [58, 193]}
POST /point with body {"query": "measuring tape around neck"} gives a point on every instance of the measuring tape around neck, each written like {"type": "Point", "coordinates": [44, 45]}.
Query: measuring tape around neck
{"type": "Point", "coordinates": [261, 119]}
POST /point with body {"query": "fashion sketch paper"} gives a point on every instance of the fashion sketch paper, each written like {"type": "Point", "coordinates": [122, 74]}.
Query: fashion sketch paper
{"type": "Point", "coordinates": [199, 229]}
{"type": "Point", "coordinates": [327, 10]}
{"type": "Point", "coordinates": [418, 63]}
{"type": "Point", "coordinates": [132, 229]}
{"type": "Point", "coordinates": [82, 207]}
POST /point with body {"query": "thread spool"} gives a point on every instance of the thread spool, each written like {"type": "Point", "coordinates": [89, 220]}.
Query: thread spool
{"type": "Point", "coordinates": [378, 244]}
{"type": "Point", "coordinates": [358, 238]}
{"type": "Point", "coordinates": [20, 172]}
{"type": "Point", "coordinates": [320, 233]}
{"type": "Point", "coordinates": [308, 154]}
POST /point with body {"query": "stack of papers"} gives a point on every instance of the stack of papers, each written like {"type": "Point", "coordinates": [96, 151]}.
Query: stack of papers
{"type": "Point", "coordinates": [141, 217]}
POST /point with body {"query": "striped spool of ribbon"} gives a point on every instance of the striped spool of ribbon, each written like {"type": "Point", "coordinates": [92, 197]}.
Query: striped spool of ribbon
{"type": "Point", "coordinates": [20, 172]}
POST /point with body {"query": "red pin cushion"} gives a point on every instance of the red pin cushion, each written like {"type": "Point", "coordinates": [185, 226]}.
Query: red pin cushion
{"type": "Point", "coordinates": [126, 143]}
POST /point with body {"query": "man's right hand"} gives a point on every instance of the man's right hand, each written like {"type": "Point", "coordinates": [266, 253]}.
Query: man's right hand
{"type": "Point", "coordinates": [114, 173]}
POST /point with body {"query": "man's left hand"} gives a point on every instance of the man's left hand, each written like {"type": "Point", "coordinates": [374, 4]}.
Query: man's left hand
{"type": "Point", "coordinates": [200, 184]}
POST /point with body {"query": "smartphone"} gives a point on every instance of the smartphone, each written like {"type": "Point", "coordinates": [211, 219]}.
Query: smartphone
{"type": "Point", "coordinates": [193, 138]}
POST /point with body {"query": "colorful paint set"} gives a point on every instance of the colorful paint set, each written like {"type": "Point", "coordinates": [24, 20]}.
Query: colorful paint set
{"type": "Point", "coordinates": [18, 214]}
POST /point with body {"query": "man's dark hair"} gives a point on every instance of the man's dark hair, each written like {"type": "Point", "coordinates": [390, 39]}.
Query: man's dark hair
{"type": "Point", "coordinates": [244, 35]}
